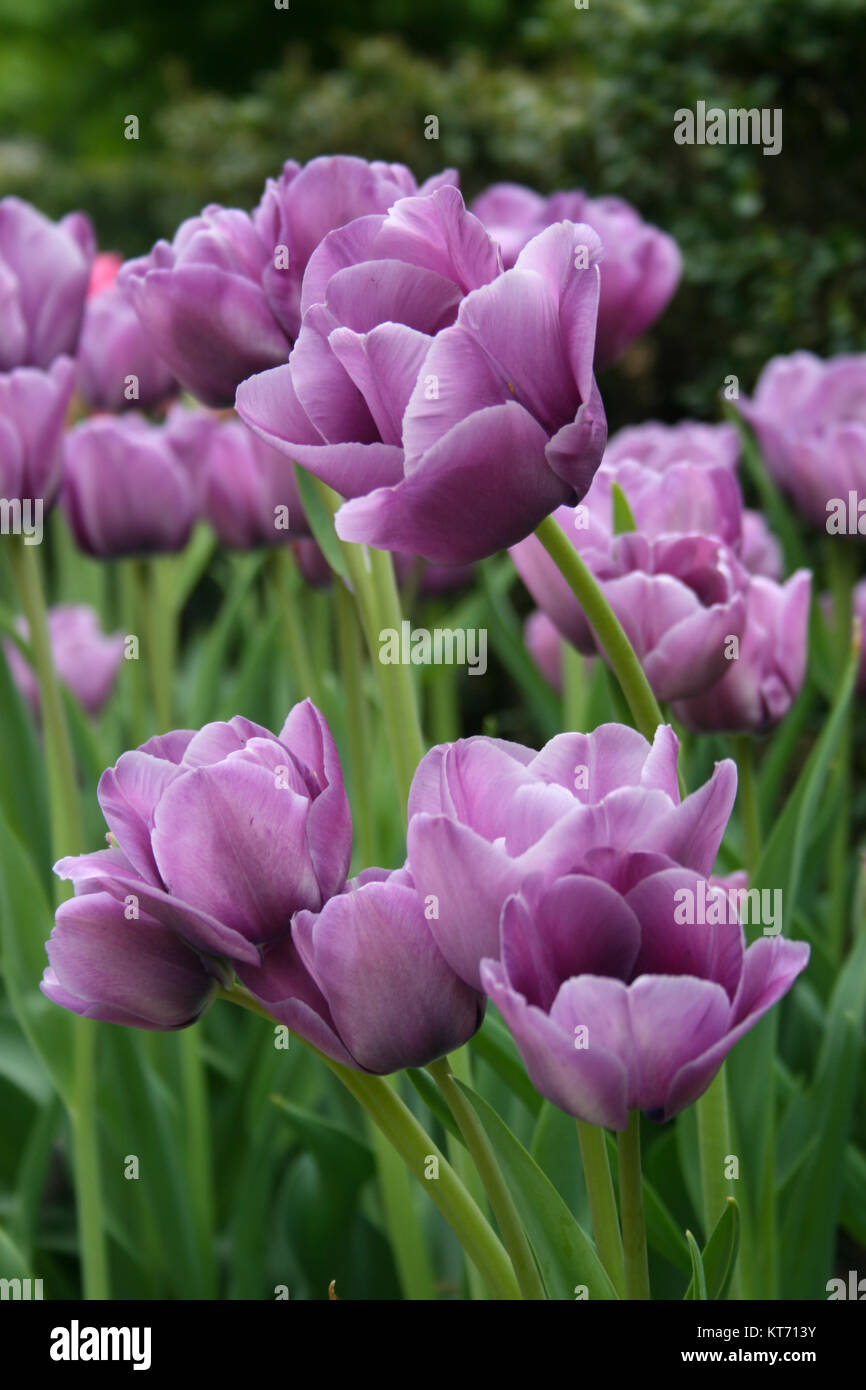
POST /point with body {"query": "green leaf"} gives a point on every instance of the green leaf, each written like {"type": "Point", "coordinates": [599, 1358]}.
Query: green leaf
{"type": "Point", "coordinates": [718, 1259]}
{"type": "Point", "coordinates": [566, 1256]}
{"type": "Point", "coordinates": [623, 518]}
{"type": "Point", "coordinates": [23, 799]}
{"type": "Point", "coordinates": [343, 1158]}
{"type": "Point", "coordinates": [495, 1045]}
{"type": "Point", "coordinates": [320, 522]}
{"type": "Point", "coordinates": [432, 1098]}
{"type": "Point", "coordinates": [13, 1265]}
{"type": "Point", "coordinates": [506, 634]}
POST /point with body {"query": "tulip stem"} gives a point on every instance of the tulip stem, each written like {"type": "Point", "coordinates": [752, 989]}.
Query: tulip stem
{"type": "Point", "coordinates": [156, 616]}
{"type": "Point", "coordinates": [631, 1206]}
{"type": "Point", "coordinates": [355, 703]}
{"type": "Point", "coordinates": [602, 1203]}
{"type": "Point", "coordinates": [513, 1234]}
{"type": "Point", "coordinates": [714, 1147]}
{"type": "Point", "coordinates": [606, 626]}
{"type": "Point", "coordinates": [282, 581]}
{"type": "Point", "coordinates": [747, 791]}
{"type": "Point", "coordinates": [461, 1159]}
{"type": "Point", "coordinates": [421, 1156]}
{"type": "Point", "coordinates": [67, 837]}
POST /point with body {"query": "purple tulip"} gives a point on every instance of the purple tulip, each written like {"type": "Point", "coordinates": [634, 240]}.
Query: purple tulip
{"type": "Point", "coordinates": [300, 207]}
{"type": "Point", "coordinates": [117, 366]}
{"type": "Point", "coordinates": [133, 971]}
{"type": "Point", "coordinates": [760, 552]}
{"type": "Point", "coordinates": [364, 980]}
{"type": "Point", "coordinates": [33, 406]}
{"type": "Point", "coordinates": [223, 834]}
{"type": "Point", "coordinates": [423, 375]}
{"type": "Point", "coordinates": [766, 674]}
{"type": "Point", "coordinates": [44, 273]}
{"type": "Point", "coordinates": [86, 661]}
{"type": "Point", "coordinates": [810, 420]}
{"type": "Point", "coordinates": [544, 644]}
{"type": "Point", "coordinates": [659, 446]}
{"type": "Point", "coordinates": [641, 267]}
{"type": "Point", "coordinates": [486, 816]}
{"type": "Point", "coordinates": [201, 303]}
{"type": "Point", "coordinates": [248, 490]}
{"type": "Point", "coordinates": [124, 492]}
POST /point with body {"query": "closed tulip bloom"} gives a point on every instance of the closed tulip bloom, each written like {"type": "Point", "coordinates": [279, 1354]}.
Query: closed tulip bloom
{"type": "Point", "coordinates": [124, 491]}
{"type": "Point", "coordinates": [810, 419]}
{"type": "Point", "coordinates": [622, 1003]}
{"type": "Point", "coordinates": [201, 303]}
{"type": "Point", "coordinates": [44, 274]}
{"type": "Point", "coordinates": [118, 368]}
{"type": "Point", "coordinates": [248, 490]}
{"type": "Point", "coordinates": [423, 378]}
{"type": "Point", "coordinates": [641, 267]}
{"type": "Point", "coordinates": [33, 406]}
{"type": "Point", "coordinates": [137, 972]}
{"type": "Point", "coordinates": [760, 552]}
{"type": "Point", "coordinates": [223, 834]}
{"type": "Point", "coordinates": [766, 676]}
{"type": "Point", "coordinates": [85, 659]}
{"type": "Point", "coordinates": [365, 982]}
{"type": "Point", "coordinates": [487, 816]}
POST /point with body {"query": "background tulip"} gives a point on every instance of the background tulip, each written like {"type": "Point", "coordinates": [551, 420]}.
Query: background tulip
{"type": "Point", "coordinates": [641, 267]}
{"type": "Point", "coordinates": [113, 349]}
{"type": "Point", "coordinates": [658, 445]}
{"type": "Point", "coordinates": [85, 659]}
{"type": "Point", "coordinates": [33, 406]}
{"type": "Point", "coordinates": [248, 491]}
{"type": "Point", "coordinates": [44, 273]}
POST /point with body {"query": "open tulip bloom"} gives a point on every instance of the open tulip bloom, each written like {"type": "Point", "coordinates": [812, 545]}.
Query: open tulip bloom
{"type": "Point", "coordinates": [576, 934]}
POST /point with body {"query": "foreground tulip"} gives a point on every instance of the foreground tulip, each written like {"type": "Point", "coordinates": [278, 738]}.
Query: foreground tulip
{"type": "Point", "coordinates": [124, 491]}
{"type": "Point", "coordinates": [767, 674]}
{"type": "Point", "coordinates": [117, 366]}
{"type": "Point", "coordinates": [223, 834]}
{"type": "Point", "coordinates": [33, 408]}
{"type": "Point", "coordinates": [364, 980]}
{"type": "Point", "coordinates": [44, 273]}
{"type": "Point", "coordinates": [136, 972]}
{"type": "Point", "coordinates": [423, 377]}
{"type": "Point", "coordinates": [641, 267]}
{"type": "Point", "coordinates": [486, 816]}
{"type": "Point", "coordinates": [810, 420]}
{"type": "Point", "coordinates": [86, 661]}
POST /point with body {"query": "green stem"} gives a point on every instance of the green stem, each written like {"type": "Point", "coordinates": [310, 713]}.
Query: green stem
{"type": "Point", "coordinates": [401, 1221]}
{"type": "Point", "coordinates": [748, 798]}
{"type": "Point", "coordinates": [355, 705]}
{"type": "Point", "coordinates": [631, 1207]}
{"type": "Point", "coordinates": [841, 574]}
{"type": "Point", "coordinates": [607, 628]}
{"type": "Point", "coordinates": [461, 1159]}
{"type": "Point", "coordinates": [602, 1202]}
{"type": "Point", "coordinates": [283, 585]}
{"type": "Point", "coordinates": [513, 1234]}
{"type": "Point", "coordinates": [67, 837]}
{"type": "Point", "coordinates": [714, 1147]}
{"type": "Point", "coordinates": [131, 618]}
{"type": "Point", "coordinates": [573, 687]}
{"type": "Point", "coordinates": [157, 624]}
{"type": "Point", "coordinates": [198, 1143]}
{"type": "Point", "coordinates": [417, 1150]}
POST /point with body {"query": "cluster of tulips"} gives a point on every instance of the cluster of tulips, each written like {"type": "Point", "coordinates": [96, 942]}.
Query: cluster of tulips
{"type": "Point", "coordinates": [381, 388]}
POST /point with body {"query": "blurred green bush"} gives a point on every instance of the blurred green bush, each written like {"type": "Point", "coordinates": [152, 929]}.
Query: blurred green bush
{"type": "Point", "coordinates": [774, 247]}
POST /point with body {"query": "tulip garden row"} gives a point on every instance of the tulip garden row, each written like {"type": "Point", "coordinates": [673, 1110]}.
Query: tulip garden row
{"type": "Point", "coordinates": [547, 985]}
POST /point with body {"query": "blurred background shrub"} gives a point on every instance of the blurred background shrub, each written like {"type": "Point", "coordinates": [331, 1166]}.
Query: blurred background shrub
{"type": "Point", "coordinates": [774, 247]}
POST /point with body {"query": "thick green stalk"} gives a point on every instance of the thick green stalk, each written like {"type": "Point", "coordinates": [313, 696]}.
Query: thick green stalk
{"type": "Point", "coordinates": [352, 671]}
{"type": "Point", "coordinates": [513, 1234]}
{"type": "Point", "coordinates": [401, 1221]}
{"type": "Point", "coordinates": [573, 687]}
{"type": "Point", "coordinates": [199, 1150]}
{"type": "Point", "coordinates": [602, 1203]}
{"type": "Point", "coordinates": [156, 625]}
{"type": "Point", "coordinates": [461, 1065]}
{"type": "Point", "coordinates": [714, 1146]}
{"type": "Point", "coordinates": [423, 1159]}
{"type": "Point", "coordinates": [631, 1208]}
{"type": "Point", "coordinates": [605, 624]}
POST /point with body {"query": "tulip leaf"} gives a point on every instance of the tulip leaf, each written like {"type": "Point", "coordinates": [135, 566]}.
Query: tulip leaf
{"type": "Point", "coordinates": [494, 1044]}
{"type": "Point", "coordinates": [23, 799]}
{"type": "Point", "coordinates": [13, 1264]}
{"type": "Point", "coordinates": [567, 1258]}
{"type": "Point", "coordinates": [343, 1159]}
{"type": "Point", "coordinates": [623, 517]}
{"type": "Point", "coordinates": [432, 1098]}
{"type": "Point", "coordinates": [320, 523]}
{"type": "Point", "coordinates": [713, 1269]}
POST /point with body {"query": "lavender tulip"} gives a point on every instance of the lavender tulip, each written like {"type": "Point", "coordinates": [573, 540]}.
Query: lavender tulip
{"type": "Point", "coordinates": [423, 375]}
{"type": "Point", "coordinates": [223, 834]}
{"type": "Point", "coordinates": [117, 366]}
{"type": "Point", "coordinates": [248, 490]}
{"type": "Point", "coordinates": [137, 972]}
{"type": "Point", "coordinates": [364, 980]}
{"type": "Point", "coordinates": [124, 492]}
{"type": "Point", "coordinates": [659, 446]}
{"type": "Point", "coordinates": [760, 552]}
{"type": "Point", "coordinates": [33, 406]}
{"type": "Point", "coordinates": [86, 661]}
{"type": "Point", "coordinates": [641, 267]}
{"type": "Point", "coordinates": [810, 419]}
{"type": "Point", "coordinates": [44, 273]}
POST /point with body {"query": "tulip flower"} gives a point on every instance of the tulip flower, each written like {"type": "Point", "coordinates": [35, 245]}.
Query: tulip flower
{"type": "Point", "coordinates": [124, 492]}
{"type": "Point", "coordinates": [810, 420]}
{"type": "Point", "coordinates": [760, 552]}
{"type": "Point", "coordinates": [659, 446]}
{"type": "Point", "coordinates": [86, 661]}
{"type": "Point", "coordinates": [44, 273]}
{"type": "Point", "coordinates": [423, 376]}
{"type": "Point", "coordinates": [364, 980]}
{"type": "Point", "coordinates": [33, 406]}
{"type": "Point", "coordinates": [766, 673]}
{"type": "Point", "coordinates": [544, 644]}
{"type": "Point", "coordinates": [117, 366]}
{"type": "Point", "coordinates": [104, 965]}
{"type": "Point", "coordinates": [641, 267]}
{"type": "Point", "coordinates": [248, 490]}
{"type": "Point", "coordinates": [223, 834]}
